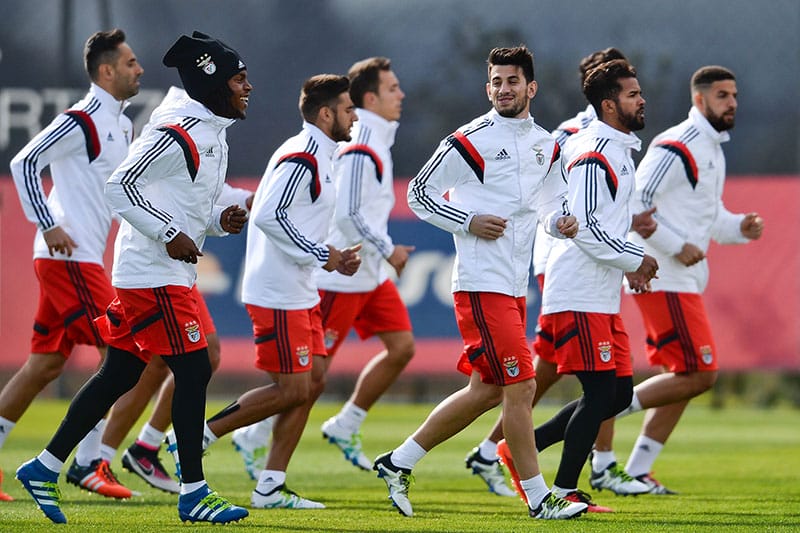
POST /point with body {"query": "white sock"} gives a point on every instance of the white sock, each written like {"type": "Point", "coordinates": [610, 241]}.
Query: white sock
{"type": "Point", "coordinates": [351, 417]}
{"type": "Point", "coordinates": [89, 447]}
{"type": "Point", "coordinates": [108, 453]}
{"type": "Point", "coordinates": [269, 479]}
{"type": "Point", "coordinates": [260, 431]}
{"type": "Point", "coordinates": [150, 436]}
{"type": "Point", "coordinates": [208, 436]}
{"type": "Point", "coordinates": [644, 454]}
{"type": "Point", "coordinates": [186, 488]}
{"type": "Point", "coordinates": [6, 426]}
{"type": "Point", "coordinates": [535, 490]}
{"type": "Point", "coordinates": [561, 492]}
{"type": "Point", "coordinates": [408, 454]}
{"type": "Point", "coordinates": [50, 461]}
{"type": "Point", "coordinates": [488, 450]}
{"type": "Point", "coordinates": [602, 460]}
{"type": "Point", "coordinates": [634, 407]}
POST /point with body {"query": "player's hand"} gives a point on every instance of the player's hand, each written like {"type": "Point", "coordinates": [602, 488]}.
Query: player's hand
{"type": "Point", "coordinates": [487, 226]}
{"type": "Point", "coordinates": [334, 258]}
{"type": "Point", "coordinates": [399, 257]}
{"type": "Point", "coordinates": [567, 226]}
{"type": "Point", "coordinates": [350, 262]}
{"type": "Point", "coordinates": [690, 254]}
{"type": "Point", "coordinates": [648, 268]}
{"type": "Point", "coordinates": [752, 226]}
{"type": "Point", "coordinates": [233, 219]}
{"type": "Point", "coordinates": [644, 223]}
{"type": "Point", "coordinates": [637, 283]}
{"type": "Point", "coordinates": [183, 248]}
{"type": "Point", "coordinates": [58, 240]}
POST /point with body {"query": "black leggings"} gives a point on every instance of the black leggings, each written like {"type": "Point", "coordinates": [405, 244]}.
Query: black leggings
{"type": "Point", "coordinates": [604, 395]}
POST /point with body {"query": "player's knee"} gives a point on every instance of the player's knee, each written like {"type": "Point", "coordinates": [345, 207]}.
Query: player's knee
{"type": "Point", "coordinates": [703, 381]}
{"type": "Point", "coordinates": [402, 352]}
{"type": "Point", "coordinates": [214, 351]}
{"type": "Point", "coordinates": [43, 370]}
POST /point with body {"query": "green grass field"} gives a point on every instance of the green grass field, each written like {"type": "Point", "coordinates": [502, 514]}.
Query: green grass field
{"type": "Point", "coordinates": [737, 469]}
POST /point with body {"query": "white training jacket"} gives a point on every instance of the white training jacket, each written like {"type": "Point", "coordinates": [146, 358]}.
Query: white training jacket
{"type": "Point", "coordinates": [364, 199]}
{"type": "Point", "coordinates": [499, 166]}
{"type": "Point", "coordinates": [83, 146]}
{"type": "Point", "coordinates": [169, 183]}
{"type": "Point", "coordinates": [682, 175]}
{"type": "Point", "coordinates": [292, 213]}
{"type": "Point", "coordinates": [585, 273]}
{"type": "Point", "coordinates": [565, 130]}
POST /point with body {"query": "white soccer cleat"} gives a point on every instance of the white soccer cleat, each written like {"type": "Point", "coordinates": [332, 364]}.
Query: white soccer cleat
{"type": "Point", "coordinates": [398, 480]}
{"type": "Point", "coordinates": [282, 498]}
{"type": "Point", "coordinates": [615, 479]}
{"type": "Point", "coordinates": [555, 508]}
{"type": "Point", "coordinates": [490, 472]}
{"type": "Point", "coordinates": [349, 443]}
{"type": "Point", "coordinates": [254, 454]}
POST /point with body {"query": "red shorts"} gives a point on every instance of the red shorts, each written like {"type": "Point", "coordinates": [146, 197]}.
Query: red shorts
{"type": "Point", "coordinates": [202, 308]}
{"type": "Point", "coordinates": [678, 332]}
{"type": "Point", "coordinates": [71, 295]}
{"type": "Point", "coordinates": [372, 312]}
{"type": "Point", "coordinates": [154, 321]}
{"type": "Point", "coordinates": [591, 342]}
{"type": "Point", "coordinates": [286, 340]}
{"type": "Point", "coordinates": [493, 328]}
{"type": "Point", "coordinates": [543, 343]}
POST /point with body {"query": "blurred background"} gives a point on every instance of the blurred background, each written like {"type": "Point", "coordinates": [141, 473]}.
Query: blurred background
{"type": "Point", "coordinates": [438, 49]}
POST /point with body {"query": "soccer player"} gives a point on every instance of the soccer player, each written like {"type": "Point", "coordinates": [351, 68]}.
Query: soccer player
{"type": "Point", "coordinates": [483, 459]}
{"type": "Point", "coordinates": [165, 192]}
{"type": "Point", "coordinates": [82, 146]}
{"type": "Point", "coordinates": [292, 211]}
{"type": "Point", "coordinates": [504, 174]}
{"type": "Point", "coordinates": [584, 276]}
{"type": "Point", "coordinates": [682, 175]}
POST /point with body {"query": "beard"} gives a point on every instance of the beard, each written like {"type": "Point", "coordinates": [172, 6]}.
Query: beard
{"type": "Point", "coordinates": [632, 121]}
{"type": "Point", "coordinates": [339, 132]}
{"type": "Point", "coordinates": [516, 108]}
{"type": "Point", "coordinates": [721, 122]}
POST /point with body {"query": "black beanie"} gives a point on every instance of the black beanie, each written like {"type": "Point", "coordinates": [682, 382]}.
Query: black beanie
{"type": "Point", "coordinates": [203, 63]}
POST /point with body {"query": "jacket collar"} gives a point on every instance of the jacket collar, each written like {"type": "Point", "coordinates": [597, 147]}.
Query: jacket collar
{"type": "Point", "coordinates": [598, 128]}
{"type": "Point", "coordinates": [107, 100]}
{"type": "Point", "coordinates": [326, 144]}
{"type": "Point", "coordinates": [522, 125]}
{"type": "Point", "coordinates": [384, 129]}
{"type": "Point", "coordinates": [701, 123]}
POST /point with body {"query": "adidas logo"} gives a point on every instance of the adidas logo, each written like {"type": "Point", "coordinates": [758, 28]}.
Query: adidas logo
{"type": "Point", "coordinates": [710, 164]}
{"type": "Point", "coordinates": [327, 179]}
{"type": "Point", "coordinates": [502, 155]}
{"type": "Point", "coordinates": [209, 152]}
{"type": "Point", "coordinates": [109, 138]}
{"type": "Point", "coordinates": [624, 171]}
{"type": "Point", "coordinates": [644, 447]}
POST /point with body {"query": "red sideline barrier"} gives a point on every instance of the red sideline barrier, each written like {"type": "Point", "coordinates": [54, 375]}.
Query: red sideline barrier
{"type": "Point", "coordinates": [753, 298]}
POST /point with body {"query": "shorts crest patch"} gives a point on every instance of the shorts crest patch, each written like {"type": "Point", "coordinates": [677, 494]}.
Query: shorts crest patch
{"type": "Point", "coordinates": [302, 355]}
{"type": "Point", "coordinates": [331, 336]}
{"type": "Point", "coordinates": [706, 355]}
{"type": "Point", "coordinates": [604, 347]}
{"type": "Point", "coordinates": [511, 365]}
{"type": "Point", "coordinates": [192, 331]}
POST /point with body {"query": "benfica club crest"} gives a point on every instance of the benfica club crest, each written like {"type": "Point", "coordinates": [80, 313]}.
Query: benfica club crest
{"type": "Point", "coordinates": [302, 355]}
{"type": "Point", "coordinates": [192, 331]}
{"type": "Point", "coordinates": [706, 355]}
{"type": "Point", "coordinates": [604, 347]}
{"type": "Point", "coordinates": [511, 365]}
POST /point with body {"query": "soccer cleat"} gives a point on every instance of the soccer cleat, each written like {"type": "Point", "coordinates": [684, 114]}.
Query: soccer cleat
{"type": "Point", "coordinates": [398, 480]}
{"type": "Point", "coordinates": [205, 505]}
{"type": "Point", "coordinates": [97, 477]}
{"type": "Point", "coordinates": [282, 498]}
{"type": "Point", "coordinates": [490, 472]}
{"type": "Point", "coordinates": [42, 484]}
{"type": "Point", "coordinates": [254, 454]}
{"type": "Point", "coordinates": [555, 508]}
{"type": "Point", "coordinates": [349, 443]}
{"type": "Point", "coordinates": [4, 496]}
{"type": "Point", "coordinates": [505, 458]}
{"type": "Point", "coordinates": [172, 448]}
{"type": "Point", "coordinates": [578, 496]}
{"type": "Point", "coordinates": [654, 485]}
{"type": "Point", "coordinates": [145, 463]}
{"type": "Point", "coordinates": [615, 479]}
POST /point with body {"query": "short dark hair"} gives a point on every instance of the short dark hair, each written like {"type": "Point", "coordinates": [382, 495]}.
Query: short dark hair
{"type": "Point", "coordinates": [519, 56]}
{"type": "Point", "coordinates": [705, 76]}
{"type": "Point", "coordinates": [365, 77]}
{"type": "Point", "coordinates": [602, 82]}
{"type": "Point", "coordinates": [598, 57]}
{"type": "Point", "coordinates": [102, 48]}
{"type": "Point", "coordinates": [320, 91]}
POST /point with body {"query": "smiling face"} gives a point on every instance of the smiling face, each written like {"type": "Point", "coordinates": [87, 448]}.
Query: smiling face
{"type": "Point", "coordinates": [240, 94]}
{"type": "Point", "coordinates": [509, 92]}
